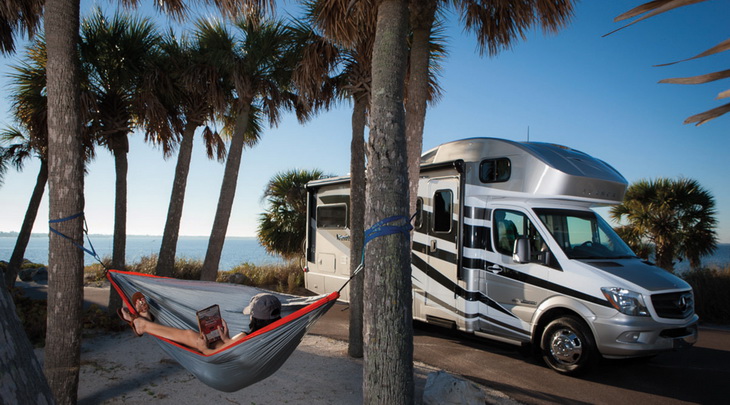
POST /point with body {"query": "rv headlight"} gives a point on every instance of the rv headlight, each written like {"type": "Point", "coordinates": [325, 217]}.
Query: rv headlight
{"type": "Point", "coordinates": [625, 301]}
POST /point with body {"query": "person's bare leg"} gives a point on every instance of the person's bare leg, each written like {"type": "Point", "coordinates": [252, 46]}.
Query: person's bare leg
{"type": "Point", "coordinates": [184, 336]}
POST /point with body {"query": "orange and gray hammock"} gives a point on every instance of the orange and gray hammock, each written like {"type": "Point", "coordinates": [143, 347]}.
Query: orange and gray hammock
{"type": "Point", "coordinates": [174, 303]}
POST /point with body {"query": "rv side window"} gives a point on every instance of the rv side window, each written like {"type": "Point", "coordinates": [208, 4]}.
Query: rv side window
{"type": "Point", "coordinates": [332, 216]}
{"type": "Point", "coordinates": [495, 170]}
{"type": "Point", "coordinates": [442, 210]}
{"type": "Point", "coordinates": [511, 225]}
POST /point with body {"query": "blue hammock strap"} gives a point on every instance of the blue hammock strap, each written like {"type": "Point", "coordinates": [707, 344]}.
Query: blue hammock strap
{"type": "Point", "coordinates": [381, 228]}
{"type": "Point", "coordinates": [90, 251]}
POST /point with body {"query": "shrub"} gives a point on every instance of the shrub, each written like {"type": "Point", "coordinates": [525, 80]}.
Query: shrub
{"type": "Point", "coordinates": [287, 278]}
{"type": "Point", "coordinates": [711, 286]}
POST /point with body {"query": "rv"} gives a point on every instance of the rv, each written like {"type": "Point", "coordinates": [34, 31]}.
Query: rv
{"type": "Point", "coordinates": [506, 246]}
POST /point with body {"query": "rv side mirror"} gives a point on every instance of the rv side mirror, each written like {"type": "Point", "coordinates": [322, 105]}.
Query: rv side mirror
{"type": "Point", "coordinates": [522, 251]}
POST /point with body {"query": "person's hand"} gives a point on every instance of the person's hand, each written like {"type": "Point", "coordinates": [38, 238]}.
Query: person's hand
{"type": "Point", "coordinates": [201, 343]}
{"type": "Point", "coordinates": [223, 330]}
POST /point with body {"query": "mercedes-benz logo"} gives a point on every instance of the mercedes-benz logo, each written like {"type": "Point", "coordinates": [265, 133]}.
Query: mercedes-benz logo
{"type": "Point", "coordinates": [683, 301]}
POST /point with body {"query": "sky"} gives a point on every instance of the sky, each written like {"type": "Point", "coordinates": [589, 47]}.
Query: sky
{"type": "Point", "coordinates": [595, 94]}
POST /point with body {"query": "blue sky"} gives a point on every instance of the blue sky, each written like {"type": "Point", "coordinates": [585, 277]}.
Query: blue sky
{"type": "Point", "coordinates": [576, 88]}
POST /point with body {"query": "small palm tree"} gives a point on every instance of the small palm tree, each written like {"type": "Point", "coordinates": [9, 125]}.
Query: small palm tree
{"type": "Point", "coordinates": [257, 61]}
{"type": "Point", "coordinates": [676, 216]}
{"type": "Point", "coordinates": [283, 226]}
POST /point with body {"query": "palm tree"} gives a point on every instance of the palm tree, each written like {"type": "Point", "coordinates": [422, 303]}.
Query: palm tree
{"type": "Point", "coordinates": [497, 25]}
{"type": "Point", "coordinates": [116, 54]}
{"type": "Point", "coordinates": [259, 63]}
{"type": "Point", "coordinates": [66, 198]}
{"type": "Point", "coordinates": [677, 216]}
{"type": "Point", "coordinates": [20, 150]}
{"type": "Point", "coordinates": [657, 7]}
{"type": "Point", "coordinates": [197, 95]}
{"type": "Point", "coordinates": [388, 324]}
{"type": "Point", "coordinates": [351, 27]}
{"type": "Point", "coordinates": [282, 227]}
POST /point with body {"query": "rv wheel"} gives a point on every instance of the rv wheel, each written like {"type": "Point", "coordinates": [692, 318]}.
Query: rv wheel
{"type": "Point", "coordinates": [568, 346]}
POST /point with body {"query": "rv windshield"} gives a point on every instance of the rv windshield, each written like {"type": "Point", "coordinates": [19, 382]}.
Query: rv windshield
{"type": "Point", "coordinates": [584, 234]}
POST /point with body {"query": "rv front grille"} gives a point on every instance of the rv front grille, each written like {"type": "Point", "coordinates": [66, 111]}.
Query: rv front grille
{"type": "Point", "coordinates": [677, 305]}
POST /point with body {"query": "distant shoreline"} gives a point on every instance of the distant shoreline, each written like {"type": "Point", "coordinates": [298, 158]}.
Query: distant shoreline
{"type": "Point", "coordinates": [14, 234]}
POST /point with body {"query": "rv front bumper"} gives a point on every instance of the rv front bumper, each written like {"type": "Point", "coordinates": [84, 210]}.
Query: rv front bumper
{"type": "Point", "coordinates": [625, 336]}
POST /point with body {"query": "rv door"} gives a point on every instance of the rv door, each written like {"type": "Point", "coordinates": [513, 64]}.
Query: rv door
{"type": "Point", "coordinates": [442, 228]}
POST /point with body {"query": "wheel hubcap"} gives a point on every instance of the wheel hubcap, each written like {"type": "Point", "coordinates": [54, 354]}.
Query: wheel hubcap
{"type": "Point", "coordinates": [566, 347]}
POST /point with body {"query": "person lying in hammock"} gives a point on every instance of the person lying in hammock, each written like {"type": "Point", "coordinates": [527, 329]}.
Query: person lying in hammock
{"type": "Point", "coordinates": [264, 309]}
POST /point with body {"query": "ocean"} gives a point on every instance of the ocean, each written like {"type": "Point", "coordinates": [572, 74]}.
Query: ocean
{"type": "Point", "coordinates": [236, 250]}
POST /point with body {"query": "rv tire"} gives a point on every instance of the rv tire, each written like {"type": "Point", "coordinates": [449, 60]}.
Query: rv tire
{"type": "Point", "coordinates": [568, 346]}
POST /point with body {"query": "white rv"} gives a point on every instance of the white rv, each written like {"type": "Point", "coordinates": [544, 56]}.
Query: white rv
{"type": "Point", "coordinates": [506, 246]}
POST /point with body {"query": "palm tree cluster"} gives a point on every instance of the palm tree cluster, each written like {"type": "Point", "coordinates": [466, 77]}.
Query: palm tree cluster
{"type": "Point", "coordinates": [677, 217]}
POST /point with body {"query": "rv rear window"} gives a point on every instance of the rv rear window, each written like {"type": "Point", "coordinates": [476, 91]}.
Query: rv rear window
{"type": "Point", "coordinates": [495, 170]}
{"type": "Point", "coordinates": [332, 216]}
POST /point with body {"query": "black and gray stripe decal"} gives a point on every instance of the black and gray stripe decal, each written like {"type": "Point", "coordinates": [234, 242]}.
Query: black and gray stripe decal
{"type": "Point", "coordinates": [450, 285]}
{"type": "Point", "coordinates": [480, 264]}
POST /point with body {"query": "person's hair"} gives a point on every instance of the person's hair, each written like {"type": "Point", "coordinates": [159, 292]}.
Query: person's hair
{"type": "Point", "coordinates": [257, 324]}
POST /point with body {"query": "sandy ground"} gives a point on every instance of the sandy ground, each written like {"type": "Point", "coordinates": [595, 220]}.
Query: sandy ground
{"type": "Point", "coordinates": [122, 368]}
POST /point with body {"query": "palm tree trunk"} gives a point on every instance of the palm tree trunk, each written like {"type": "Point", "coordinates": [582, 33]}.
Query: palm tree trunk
{"type": "Point", "coordinates": [357, 223]}
{"type": "Point", "coordinates": [120, 149]}
{"type": "Point", "coordinates": [168, 248]}
{"type": "Point", "coordinates": [16, 259]}
{"type": "Point", "coordinates": [66, 198]}
{"type": "Point", "coordinates": [227, 194]}
{"type": "Point", "coordinates": [18, 362]}
{"type": "Point", "coordinates": [664, 257]}
{"type": "Point", "coordinates": [388, 323]}
{"type": "Point", "coordinates": [422, 17]}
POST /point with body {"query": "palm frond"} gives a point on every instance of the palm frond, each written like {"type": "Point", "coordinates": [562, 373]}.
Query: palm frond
{"type": "Point", "coordinates": [651, 9]}
{"type": "Point", "coordinates": [699, 119]}
{"type": "Point", "coordinates": [721, 47]}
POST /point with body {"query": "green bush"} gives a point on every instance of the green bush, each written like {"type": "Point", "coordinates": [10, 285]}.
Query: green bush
{"type": "Point", "coordinates": [287, 278]}
{"type": "Point", "coordinates": [712, 301]}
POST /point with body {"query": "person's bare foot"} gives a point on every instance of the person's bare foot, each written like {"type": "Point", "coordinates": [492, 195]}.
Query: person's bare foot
{"type": "Point", "coordinates": [129, 318]}
{"type": "Point", "coordinates": [141, 306]}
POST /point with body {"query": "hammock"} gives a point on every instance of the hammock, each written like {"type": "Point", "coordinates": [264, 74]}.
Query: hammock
{"type": "Point", "coordinates": [174, 302]}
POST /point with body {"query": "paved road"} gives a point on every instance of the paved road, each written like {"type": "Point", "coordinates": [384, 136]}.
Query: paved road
{"type": "Point", "coordinates": [700, 374]}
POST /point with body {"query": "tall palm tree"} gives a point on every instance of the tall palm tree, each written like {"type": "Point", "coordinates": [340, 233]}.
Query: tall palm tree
{"type": "Point", "coordinates": [116, 54]}
{"type": "Point", "coordinates": [197, 95]}
{"type": "Point", "coordinates": [258, 61]}
{"type": "Point", "coordinates": [351, 27]}
{"type": "Point", "coordinates": [65, 189]}
{"type": "Point", "coordinates": [283, 225]}
{"type": "Point", "coordinates": [388, 324]}
{"type": "Point", "coordinates": [677, 216]}
{"type": "Point", "coordinates": [497, 25]}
